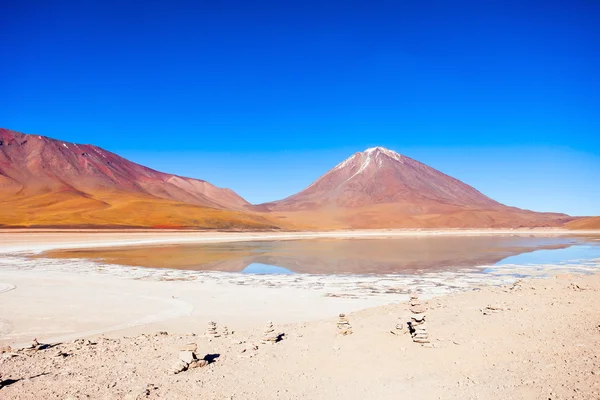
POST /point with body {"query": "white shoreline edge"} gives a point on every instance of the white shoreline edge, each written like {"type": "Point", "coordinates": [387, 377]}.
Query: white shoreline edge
{"type": "Point", "coordinates": [209, 237]}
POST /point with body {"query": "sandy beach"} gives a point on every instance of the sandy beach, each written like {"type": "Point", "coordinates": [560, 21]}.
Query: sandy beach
{"type": "Point", "coordinates": [539, 343]}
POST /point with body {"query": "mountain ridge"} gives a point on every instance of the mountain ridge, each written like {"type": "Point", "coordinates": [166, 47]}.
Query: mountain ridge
{"type": "Point", "coordinates": [371, 172]}
{"type": "Point", "coordinates": [49, 182]}
{"type": "Point", "coordinates": [42, 179]}
{"type": "Point", "coordinates": [382, 188]}
{"type": "Point", "coordinates": [44, 171]}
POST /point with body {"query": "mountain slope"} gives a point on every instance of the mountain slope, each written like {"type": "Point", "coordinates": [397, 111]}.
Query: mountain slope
{"type": "Point", "coordinates": [584, 223]}
{"type": "Point", "coordinates": [47, 182]}
{"type": "Point", "coordinates": [379, 188]}
{"type": "Point", "coordinates": [33, 164]}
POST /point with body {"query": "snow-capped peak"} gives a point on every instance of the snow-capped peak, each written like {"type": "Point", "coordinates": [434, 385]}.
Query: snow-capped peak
{"type": "Point", "coordinates": [382, 150]}
{"type": "Point", "coordinates": [362, 161]}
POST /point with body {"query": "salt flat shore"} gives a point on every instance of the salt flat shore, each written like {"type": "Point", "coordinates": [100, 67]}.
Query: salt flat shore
{"type": "Point", "coordinates": [40, 240]}
{"type": "Point", "coordinates": [540, 342]}
{"type": "Point", "coordinates": [540, 345]}
{"type": "Point", "coordinates": [63, 299]}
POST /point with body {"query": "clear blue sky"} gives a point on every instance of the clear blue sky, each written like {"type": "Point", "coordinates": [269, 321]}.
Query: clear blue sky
{"type": "Point", "coordinates": [263, 97]}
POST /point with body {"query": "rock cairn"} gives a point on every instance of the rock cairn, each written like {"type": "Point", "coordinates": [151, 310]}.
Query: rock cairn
{"type": "Point", "coordinates": [187, 359]}
{"type": "Point", "coordinates": [343, 325]}
{"type": "Point", "coordinates": [225, 331]}
{"type": "Point", "coordinates": [270, 336]}
{"type": "Point", "coordinates": [211, 330]}
{"type": "Point", "coordinates": [417, 320]}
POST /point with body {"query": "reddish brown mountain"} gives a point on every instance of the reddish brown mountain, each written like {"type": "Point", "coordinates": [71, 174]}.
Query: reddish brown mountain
{"type": "Point", "coordinates": [33, 164]}
{"type": "Point", "coordinates": [381, 188]}
{"type": "Point", "coordinates": [45, 181]}
{"type": "Point", "coordinates": [584, 223]}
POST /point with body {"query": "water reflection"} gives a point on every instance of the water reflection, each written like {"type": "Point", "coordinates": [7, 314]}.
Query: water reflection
{"type": "Point", "coordinates": [345, 256]}
{"type": "Point", "coordinates": [571, 255]}
{"type": "Point", "coordinates": [263, 269]}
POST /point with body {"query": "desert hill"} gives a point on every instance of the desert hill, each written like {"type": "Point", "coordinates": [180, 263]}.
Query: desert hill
{"type": "Point", "coordinates": [47, 182]}
{"type": "Point", "coordinates": [584, 223]}
{"type": "Point", "coordinates": [381, 188]}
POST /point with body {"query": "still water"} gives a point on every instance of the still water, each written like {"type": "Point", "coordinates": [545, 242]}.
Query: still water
{"type": "Point", "coordinates": [412, 255]}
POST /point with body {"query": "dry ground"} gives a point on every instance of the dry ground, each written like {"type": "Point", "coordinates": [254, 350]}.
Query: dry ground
{"type": "Point", "coordinates": [543, 343]}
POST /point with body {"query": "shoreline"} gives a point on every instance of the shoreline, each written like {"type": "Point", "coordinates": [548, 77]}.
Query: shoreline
{"type": "Point", "coordinates": [33, 241]}
{"type": "Point", "coordinates": [45, 286]}
{"type": "Point", "coordinates": [63, 299]}
{"type": "Point", "coordinates": [539, 342]}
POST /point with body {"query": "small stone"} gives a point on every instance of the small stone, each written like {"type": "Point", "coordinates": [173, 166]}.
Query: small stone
{"type": "Point", "coordinates": [419, 309]}
{"type": "Point", "coordinates": [5, 349]}
{"type": "Point", "coordinates": [189, 347]}
{"type": "Point", "coordinates": [60, 353]}
{"type": "Point", "coordinates": [187, 356]}
{"type": "Point", "coordinates": [421, 340]}
{"type": "Point", "coordinates": [418, 317]}
{"type": "Point", "coordinates": [178, 366]}
{"type": "Point", "coordinates": [198, 364]}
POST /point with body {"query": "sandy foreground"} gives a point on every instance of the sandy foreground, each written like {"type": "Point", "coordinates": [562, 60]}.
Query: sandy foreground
{"type": "Point", "coordinates": [541, 342]}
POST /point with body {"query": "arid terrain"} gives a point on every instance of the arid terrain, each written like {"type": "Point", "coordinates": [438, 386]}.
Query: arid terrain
{"type": "Point", "coordinates": [536, 339]}
{"type": "Point", "coordinates": [298, 200]}
{"type": "Point", "coordinates": [584, 223]}
{"type": "Point", "coordinates": [379, 188]}
{"type": "Point", "coordinates": [50, 183]}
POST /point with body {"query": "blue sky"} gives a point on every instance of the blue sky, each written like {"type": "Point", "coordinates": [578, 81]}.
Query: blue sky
{"type": "Point", "coordinates": [263, 97]}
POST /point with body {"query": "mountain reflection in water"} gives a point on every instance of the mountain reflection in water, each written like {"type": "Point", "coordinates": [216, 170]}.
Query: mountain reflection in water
{"type": "Point", "coordinates": [264, 269]}
{"type": "Point", "coordinates": [336, 256]}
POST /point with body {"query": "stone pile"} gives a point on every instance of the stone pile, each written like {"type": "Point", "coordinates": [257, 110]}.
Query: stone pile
{"type": "Point", "coordinates": [343, 325]}
{"type": "Point", "coordinates": [187, 359]}
{"type": "Point", "coordinates": [269, 335]}
{"type": "Point", "coordinates": [225, 331]}
{"type": "Point", "coordinates": [211, 330]}
{"type": "Point", "coordinates": [417, 320]}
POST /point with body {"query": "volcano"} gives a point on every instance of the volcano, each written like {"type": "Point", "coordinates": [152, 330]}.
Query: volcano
{"type": "Point", "coordinates": [379, 188]}
{"type": "Point", "coordinates": [48, 182]}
